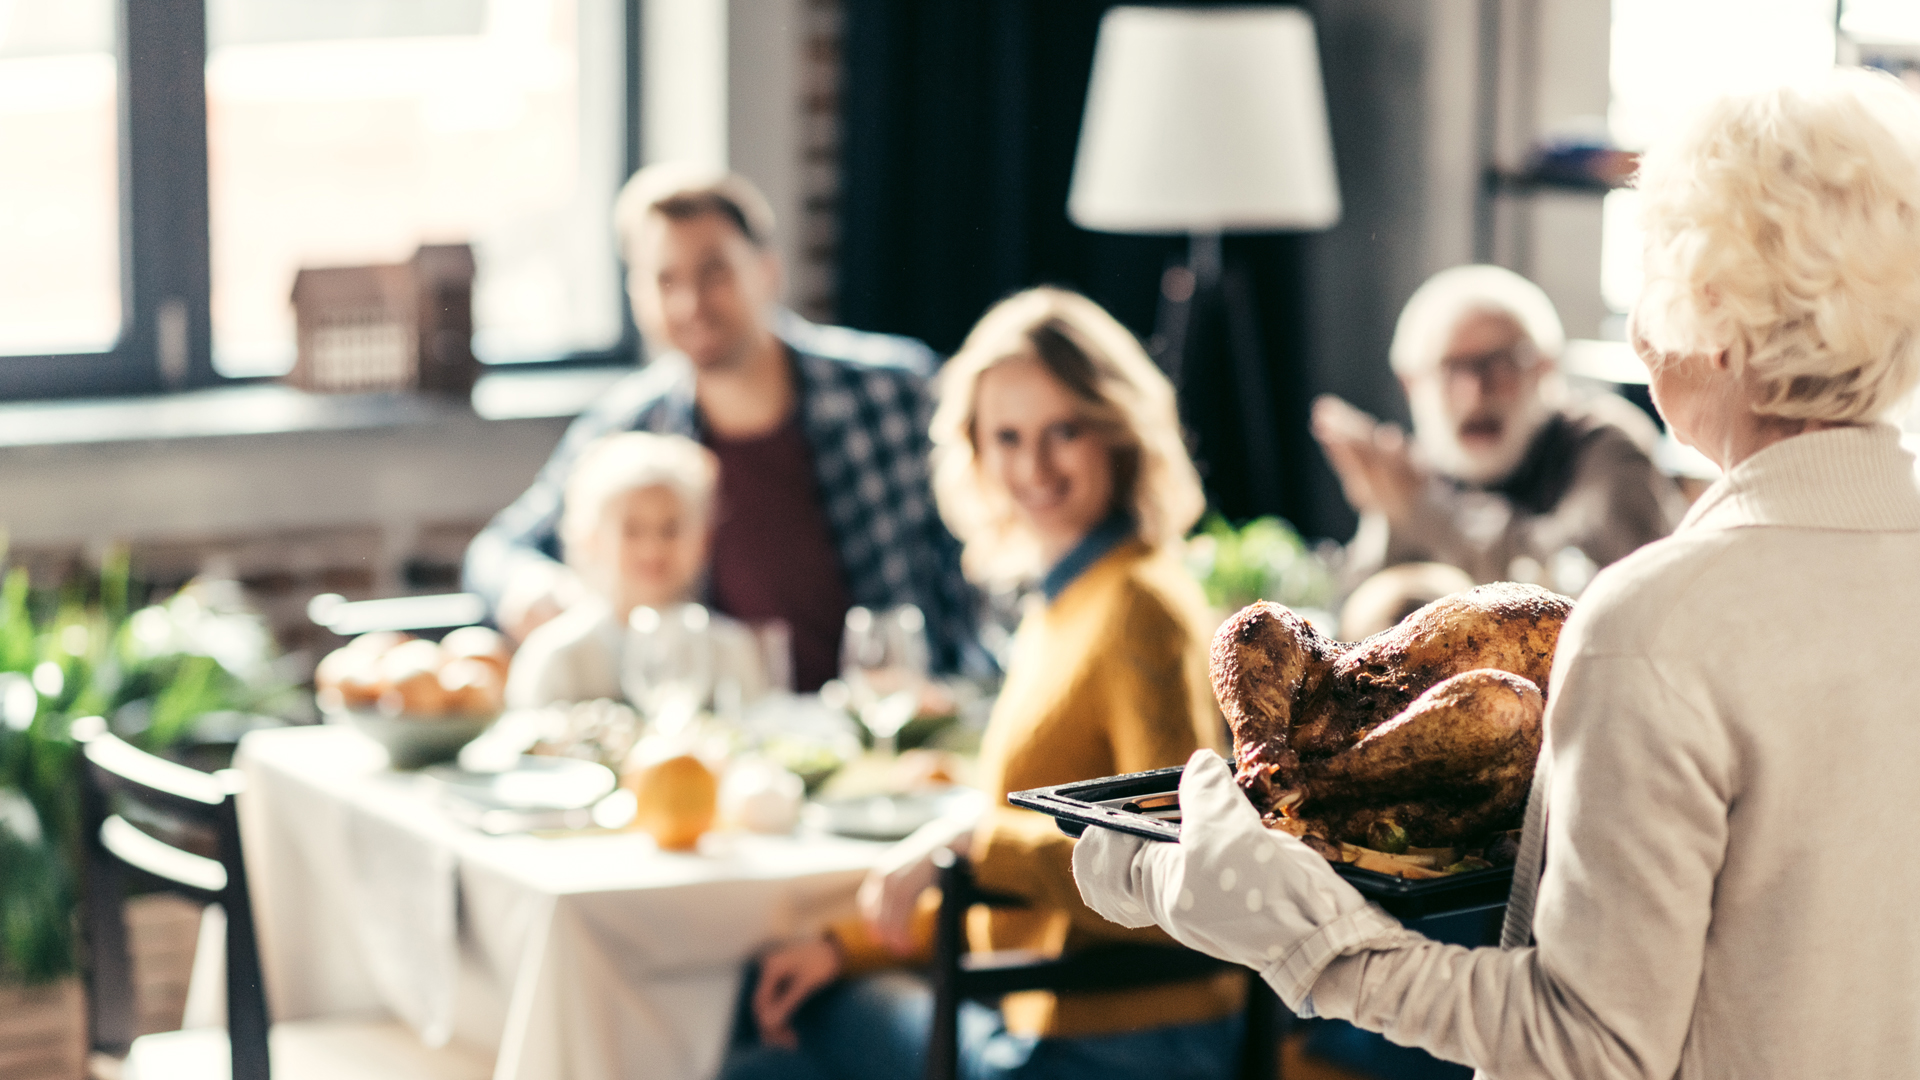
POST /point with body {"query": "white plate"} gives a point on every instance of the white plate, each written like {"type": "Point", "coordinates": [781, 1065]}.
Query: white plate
{"type": "Point", "coordinates": [534, 783]}
{"type": "Point", "coordinates": [886, 817]}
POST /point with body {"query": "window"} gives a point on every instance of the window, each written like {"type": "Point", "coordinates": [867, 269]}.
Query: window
{"type": "Point", "coordinates": [1883, 33]}
{"type": "Point", "coordinates": [59, 190]}
{"type": "Point", "coordinates": [346, 132]}
{"type": "Point", "coordinates": [149, 236]}
{"type": "Point", "coordinates": [1669, 59]}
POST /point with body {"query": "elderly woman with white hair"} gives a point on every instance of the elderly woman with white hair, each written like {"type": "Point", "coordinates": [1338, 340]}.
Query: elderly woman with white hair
{"type": "Point", "coordinates": [1714, 879]}
{"type": "Point", "coordinates": [1505, 467]}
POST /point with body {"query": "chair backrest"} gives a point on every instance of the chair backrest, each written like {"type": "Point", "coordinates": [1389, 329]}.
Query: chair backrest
{"type": "Point", "coordinates": [442, 611]}
{"type": "Point", "coordinates": [118, 780]}
{"type": "Point", "coordinates": [958, 976]}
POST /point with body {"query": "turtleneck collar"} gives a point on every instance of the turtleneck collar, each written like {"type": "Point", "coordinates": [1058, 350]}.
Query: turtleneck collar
{"type": "Point", "coordinates": [1854, 478]}
{"type": "Point", "coordinates": [1103, 538]}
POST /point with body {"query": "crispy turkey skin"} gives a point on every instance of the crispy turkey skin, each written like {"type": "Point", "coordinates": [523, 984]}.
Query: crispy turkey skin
{"type": "Point", "coordinates": [1432, 725]}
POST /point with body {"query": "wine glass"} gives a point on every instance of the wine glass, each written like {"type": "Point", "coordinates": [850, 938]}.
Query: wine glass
{"type": "Point", "coordinates": [884, 662]}
{"type": "Point", "coordinates": [666, 666]}
{"type": "Point", "coordinates": [774, 640]}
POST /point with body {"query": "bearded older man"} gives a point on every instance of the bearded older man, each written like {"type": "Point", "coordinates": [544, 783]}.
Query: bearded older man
{"type": "Point", "coordinates": [1504, 472]}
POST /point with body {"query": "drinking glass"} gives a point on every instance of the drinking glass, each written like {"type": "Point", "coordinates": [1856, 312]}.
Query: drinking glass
{"type": "Point", "coordinates": [667, 664]}
{"type": "Point", "coordinates": [774, 637]}
{"type": "Point", "coordinates": [884, 662]}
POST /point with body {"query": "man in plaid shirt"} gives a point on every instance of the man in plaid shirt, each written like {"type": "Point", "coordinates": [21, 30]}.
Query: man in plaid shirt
{"type": "Point", "coordinates": [764, 389]}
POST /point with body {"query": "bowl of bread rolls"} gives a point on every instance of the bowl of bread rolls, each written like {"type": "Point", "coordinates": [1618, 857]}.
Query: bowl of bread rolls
{"type": "Point", "coordinates": [422, 700]}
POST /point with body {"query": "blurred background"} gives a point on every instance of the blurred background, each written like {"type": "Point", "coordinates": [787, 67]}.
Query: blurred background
{"type": "Point", "coordinates": [173, 165]}
{"type": "Point", "coordinates": [222, 222]}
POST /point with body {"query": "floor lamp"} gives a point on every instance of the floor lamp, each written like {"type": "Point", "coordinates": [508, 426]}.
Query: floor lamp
{"type": "Point", "coordinates": [1202, 122]}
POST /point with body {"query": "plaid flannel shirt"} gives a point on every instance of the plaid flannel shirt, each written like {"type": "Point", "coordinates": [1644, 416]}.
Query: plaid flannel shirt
{"type": "Point", "coordinates": [865, 405]}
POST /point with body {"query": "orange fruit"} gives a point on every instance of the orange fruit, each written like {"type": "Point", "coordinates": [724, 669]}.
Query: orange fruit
{"type": "Point", "coordinates": [676, 800]}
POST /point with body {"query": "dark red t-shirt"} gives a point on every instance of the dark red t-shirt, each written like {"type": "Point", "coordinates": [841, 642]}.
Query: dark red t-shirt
{"type": "Point", "coordinates": [774, 555]}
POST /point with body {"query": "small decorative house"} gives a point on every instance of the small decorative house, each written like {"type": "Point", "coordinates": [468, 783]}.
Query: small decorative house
{"type": "Point", "coordinates": [406, 326]}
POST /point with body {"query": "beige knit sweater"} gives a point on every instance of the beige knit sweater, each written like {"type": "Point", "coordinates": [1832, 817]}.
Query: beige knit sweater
{"type": "Point", "coordinates": [1732, 813]}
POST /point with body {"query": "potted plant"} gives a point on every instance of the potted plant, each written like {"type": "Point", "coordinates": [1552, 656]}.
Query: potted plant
{"type": "Point", "coordinates": [1265, 559]}
{"type": "Point", "coordinates": [43, 1023]}
{"type": "Point", "coordinates": [161, 674]}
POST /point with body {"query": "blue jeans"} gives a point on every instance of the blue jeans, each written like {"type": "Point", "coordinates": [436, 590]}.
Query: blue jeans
{"type": "Point", "coordinates": [876, 1028]}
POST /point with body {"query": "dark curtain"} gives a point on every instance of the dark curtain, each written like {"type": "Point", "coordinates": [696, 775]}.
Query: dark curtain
{"type": "Point", "coordinates": [961, 118]}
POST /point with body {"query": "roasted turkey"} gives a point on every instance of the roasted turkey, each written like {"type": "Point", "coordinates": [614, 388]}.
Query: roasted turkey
{"type": "Point", "coordinates": [1423, 735]}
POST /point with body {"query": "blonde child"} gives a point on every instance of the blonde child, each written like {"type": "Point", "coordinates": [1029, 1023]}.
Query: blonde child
{"type": "Point", "coordinates": [635, 527]}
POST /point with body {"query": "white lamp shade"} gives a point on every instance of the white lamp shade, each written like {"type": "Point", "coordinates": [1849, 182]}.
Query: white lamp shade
{"type": "Point", "coordinates": [1205, 120]}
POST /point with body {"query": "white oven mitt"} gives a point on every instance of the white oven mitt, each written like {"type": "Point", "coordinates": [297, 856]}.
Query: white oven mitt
{"type": "Point", "coordinates": [1232, 888]}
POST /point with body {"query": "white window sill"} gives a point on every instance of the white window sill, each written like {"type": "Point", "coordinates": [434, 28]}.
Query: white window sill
{"type": "Point", "coordinates": [273, 408]}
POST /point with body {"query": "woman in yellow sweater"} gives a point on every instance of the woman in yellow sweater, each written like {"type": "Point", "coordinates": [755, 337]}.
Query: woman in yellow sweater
{"type": "Point", "coordinates": [1057, 455]}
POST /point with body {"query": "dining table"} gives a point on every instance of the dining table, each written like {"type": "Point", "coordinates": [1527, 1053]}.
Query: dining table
{"type": "Point", "coordinates": [574, 955]}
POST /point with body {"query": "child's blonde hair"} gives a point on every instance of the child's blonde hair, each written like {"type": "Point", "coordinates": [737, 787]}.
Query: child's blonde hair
{"type": "Point", "coordinates": [616, 464]}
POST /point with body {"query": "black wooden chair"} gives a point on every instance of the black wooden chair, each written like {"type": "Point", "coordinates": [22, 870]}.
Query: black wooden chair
{"type": "Point", "coordinates": [960, 976]}
{"type": "Point", "coordinates": [197, 809]}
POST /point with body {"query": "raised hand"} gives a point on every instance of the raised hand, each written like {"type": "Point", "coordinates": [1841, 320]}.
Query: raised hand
{"type": "Point", "coordinates": [1374, 461]}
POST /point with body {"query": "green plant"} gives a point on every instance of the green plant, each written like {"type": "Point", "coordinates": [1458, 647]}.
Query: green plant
{"type": "Point", "coordinates": [36, 930]}
{"type": "Point", "coordinates": [81, 650]}
{"type": "Point", "coordinates": [1265, 559]}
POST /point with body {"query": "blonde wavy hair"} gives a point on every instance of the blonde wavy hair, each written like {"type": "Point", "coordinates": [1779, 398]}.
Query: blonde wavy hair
{"type": "Point", "coordinates": [1784, 227]}
{"type": "Point", "coordinates": [1123, 396]}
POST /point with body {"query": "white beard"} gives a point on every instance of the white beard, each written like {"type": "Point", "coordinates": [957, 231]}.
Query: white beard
{"type": "Point", "coordinates": [1437, 435]}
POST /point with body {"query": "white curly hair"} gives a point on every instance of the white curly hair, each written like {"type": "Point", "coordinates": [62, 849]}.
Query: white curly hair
{"type": "Point", "coordinates": [1783, 226]}
{"type": "Point", "coordinates": [1435, 309]}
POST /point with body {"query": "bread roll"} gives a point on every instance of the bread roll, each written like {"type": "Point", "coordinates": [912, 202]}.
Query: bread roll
{"type": "Point", "coordinates": [474, 686]}
{"type": "Point", "coordinates": [479, 643]}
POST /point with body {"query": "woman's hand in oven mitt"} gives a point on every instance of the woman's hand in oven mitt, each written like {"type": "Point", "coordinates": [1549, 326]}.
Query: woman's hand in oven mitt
{"type": "Point", "coordinates": [1231, 887]}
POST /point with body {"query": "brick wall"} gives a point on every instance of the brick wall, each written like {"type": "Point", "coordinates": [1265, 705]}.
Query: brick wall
{"type": "Point", "coordinates": [280, 570]}
{"type": "Point", "coordinates": [379, 510]}
{"type": "Point", "coordinates": [818, 230]}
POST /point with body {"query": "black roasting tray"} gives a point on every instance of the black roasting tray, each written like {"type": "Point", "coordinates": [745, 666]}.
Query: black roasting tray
{"type": "Point", "coordinates": [1145, 804]}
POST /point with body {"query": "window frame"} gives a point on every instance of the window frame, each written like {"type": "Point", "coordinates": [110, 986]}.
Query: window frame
{"type": "Point", "coordinates": [166, 272]}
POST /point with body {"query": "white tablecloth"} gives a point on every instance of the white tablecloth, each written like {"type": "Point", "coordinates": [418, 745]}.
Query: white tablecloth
{"type": "Point", "coordinates": [579, 958]}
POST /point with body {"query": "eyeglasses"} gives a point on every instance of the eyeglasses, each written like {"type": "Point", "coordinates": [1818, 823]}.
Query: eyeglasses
{"type": "Point", "coordinates": [1499, 368]}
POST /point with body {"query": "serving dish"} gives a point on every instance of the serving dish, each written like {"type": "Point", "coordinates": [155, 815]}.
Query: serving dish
{"type": "Point", "coordinates": [1146, 804]}
{"type": "Point", "coordinates": [414, 742]}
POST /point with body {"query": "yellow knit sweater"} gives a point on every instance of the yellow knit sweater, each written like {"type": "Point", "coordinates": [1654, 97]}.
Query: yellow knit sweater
{"type": "Point", "coordinates": [1110, 677]}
